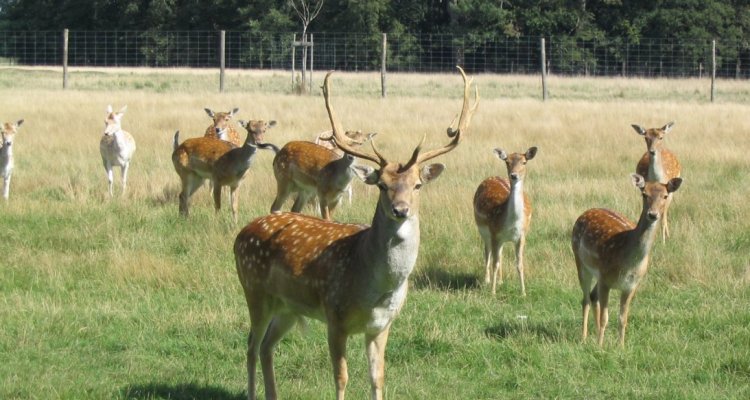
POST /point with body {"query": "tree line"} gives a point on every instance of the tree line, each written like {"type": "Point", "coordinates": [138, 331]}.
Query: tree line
{"type": "Point", "coordinates": [473, 21]}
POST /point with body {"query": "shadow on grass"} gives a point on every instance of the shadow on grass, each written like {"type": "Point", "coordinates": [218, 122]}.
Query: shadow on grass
{"type": "Point", "coordinates": [438, 279]}
{"type": "Point", "coordinates": [507, 329]}
{"type": "Point", "coordinates": [186, 391]}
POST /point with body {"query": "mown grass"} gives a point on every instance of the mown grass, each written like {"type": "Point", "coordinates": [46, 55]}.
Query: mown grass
{"type": "Point", "coordinates": [120, 298]}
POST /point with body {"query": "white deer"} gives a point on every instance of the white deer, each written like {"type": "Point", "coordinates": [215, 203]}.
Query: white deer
{"type": "Point", "coordinates": [8, 135]}
{"type": "Point", "coordinates": [353, 277]}
{"type": "Point", "coordinates": [116, 146]}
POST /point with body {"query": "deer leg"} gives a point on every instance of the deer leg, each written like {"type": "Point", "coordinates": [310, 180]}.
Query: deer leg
{"type": "Point", "coordinates": [337, 347]}
{"type": "Point", "coordinates": [302, 199]}
{"type": "Point", "coordinates": [110, 177]}
{"type": "Point", "coordinates": [6, 186]}
{"type": "Point", "coordinates": [375, 345]}
{"type": "Point", "coordinates": [190, 183]}
{"type": "Point", "coordinates": [586, 281]}
{"type": "Point", "coordinates": [349, 192]}
{"type": "Point", "coordinates": [625, 299]}
{"type": "Point", "coordinates": [280, 325]}
{"type": "Point", "coordinates": [603, 311]}
{"type": "Point", "coordinates": [664, 222]}
{"type": "Point", "coordinates": [497, 257]}
{"type": "Point", "coordinates": [124, 173]}
{"type": "Point", "coordinates": [282, 193]}
{"type": "Point", "coordinates": [520, 245]}
{"type": "Point", "coordinates": [259, 320]}
{"type": "Point", "coordinates": [235, 199]}
{"type": "Point", "coordinates": [217, 195]}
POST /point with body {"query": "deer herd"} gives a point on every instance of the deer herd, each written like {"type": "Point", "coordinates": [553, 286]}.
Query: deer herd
{"type": "Point", "coordinates": [354, 277]}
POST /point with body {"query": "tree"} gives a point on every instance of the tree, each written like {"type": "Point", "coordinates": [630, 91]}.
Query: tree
{"type": "Point", "coordinates": [306, 10]}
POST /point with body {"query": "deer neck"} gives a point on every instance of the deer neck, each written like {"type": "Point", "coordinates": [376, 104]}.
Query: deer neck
{"type": "Point", "coordinates": [656, 167]}
{"type": "Point", "coordinates": [515, 205]}
{"type": "Point", "coordinates": [389, 248]}
{"type": "Point", "coordinates": [6, 152]}
{"type": "Point", "coordinates": [641, 239]}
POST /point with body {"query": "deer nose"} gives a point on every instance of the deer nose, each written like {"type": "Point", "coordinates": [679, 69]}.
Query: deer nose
{"type": "Point", "coordinates": [652, 152]}
{"type": "Point", "coordinates": [653, 215]}
{"type": "Point", "coordinates": [400, 210]}
{"type": "Point", "coordinates": [514, 176]}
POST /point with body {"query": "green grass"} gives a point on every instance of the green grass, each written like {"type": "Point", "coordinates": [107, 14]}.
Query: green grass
{"type": "Point", "coordinates": [123, 299]}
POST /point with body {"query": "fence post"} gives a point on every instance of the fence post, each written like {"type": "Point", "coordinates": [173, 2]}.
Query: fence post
{"type": "Point", "coordinates": [544, 71]}
{"type": "Point", "coordinates": [294, 39]}
{"type": "Point", "coordinates": [713, 68]}
{"type": "Point", "coordinates": [222, 59]}
{"type": "Point", "coordinates": [65, 58]}
{"type": "Point", "coordinates": [382, 65]}
{"type": "Point", "coordinates": [312, 53]}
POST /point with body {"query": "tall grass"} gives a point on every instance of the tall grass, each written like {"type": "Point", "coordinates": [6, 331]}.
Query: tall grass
{"type": "Point", "coordinates": [121, 298]}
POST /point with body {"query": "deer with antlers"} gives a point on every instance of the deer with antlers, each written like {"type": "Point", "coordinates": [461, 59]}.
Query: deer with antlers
{"type": "Point", "coordinates": [309, 170]}
{"type": "Point", "coordinates": [8, 135]}
{"type": "Point", "coordinates": [116, 147]}
{"type": "Point", "coordinates": [352, 277]}
{"type": "Point", "coordinates": [222, 126]}
{"type": "Point", "coordinates": [194, 160]}
{"type": "Point", "coordinates": [658, 164]}
{"type": "Point", "coordinates": [611, 252]}
{"type": "Point", "coordinates": [502, 212]}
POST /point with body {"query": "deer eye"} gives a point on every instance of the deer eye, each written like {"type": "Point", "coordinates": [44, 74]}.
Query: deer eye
{"type": "Point", "coordinates": [418, 186]}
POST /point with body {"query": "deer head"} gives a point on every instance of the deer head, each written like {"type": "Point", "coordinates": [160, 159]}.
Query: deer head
{"type": "Point", "coordinates": [256, 129]}
{"type": "Point", "coordinates": [113, 121]}
{"type": "Point", "coordinates": [221, 119]}
{"type": "Point", "coordinates": [399, 183]}
{"type": "Point", "coordinates": [516, 162]}
{"type": "Point", "coordinates": [654, 136]}
{"type": "Point", "coordinates": [9, 133]}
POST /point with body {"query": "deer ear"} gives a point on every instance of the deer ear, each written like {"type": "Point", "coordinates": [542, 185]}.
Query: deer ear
{"type": "Point", "coordinates": [668, 127]}
{"type": "Point", "coordinates": [531, 153]}
{"type": "Point", "coordinates": [431, 172]}
{"type": "Point", "coordinates": [109, 109]}
{"type": "Point", "coordinates": [638, 181]}
{"type": "Point", "coordinates": [674, 184]}
{"type": "Point", "coordinates": [366, 173]}
{"type": "Point", "coordinates": [234, 111]}
{"type": "Point", "coordinates": [123, 109]}
{"type": "Point", "coordinates": [242, 122]}
{"type": "Point", "coordinates": [209, 112]}
{"type": "Point", "coordinates": [271, 124]}
{"type": "Point", "coordinates": [501, 154]}
{"type": "Point", "coordinates": [19, 123]}
{"type": "Point", "coordinates": [639, 129]}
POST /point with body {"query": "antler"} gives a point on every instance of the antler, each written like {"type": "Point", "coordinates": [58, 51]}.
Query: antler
{"type": "Point", "coordinates": [467, 112]}
{"type": "Point", "coordinates": [338, 131]}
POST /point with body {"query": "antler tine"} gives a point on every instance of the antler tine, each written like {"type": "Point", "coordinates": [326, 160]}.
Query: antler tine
{"type": "Point", "coordinates": [463, 121]}
{"type": "Point", "coordinates": [415, 155]}
{"type": "Point", "coordinates": [338, 132]}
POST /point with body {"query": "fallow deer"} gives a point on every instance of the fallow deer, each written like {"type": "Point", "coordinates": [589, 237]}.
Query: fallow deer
{"type": "Point", "coordinates": [116, 147]}
{"type": "Point", "coordinates": [8, 135]}
{"type": "Point", "coordinates": [611, 252]}
{"type": "Point", "coordinates": [222, 125]}
{"type": "Point", "coordinates": [309, 169]}
{"type": "Point", "coordinates": [230, 168]}
{"type": "Point", "coordinates": [658, 164]}
{"type": "Point", "coordinates": [353, 277]}
{"type": "Point", "coordinates": [502, 212]}
{"type": "Point", "coordinates": [357, 138]}
{"type": "Point", "coordinates": [194, 159]}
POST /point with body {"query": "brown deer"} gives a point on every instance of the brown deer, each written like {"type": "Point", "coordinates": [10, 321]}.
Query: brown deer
{"type": "Point", "coordinates": [309, 170]}
{"type": "Point", "coordinates": [353, 277]}
{"type": "Point", "coordinates": [502, 212]}
{"type": "Point", "coordinates": [8, 135]}
{"type": "Point", "coordinates": [611, 252]}
{"type": "Point", "coordinates": [658, 164]}
{"type": "Point", "coordinates": [194, 159]}
{"type": "Point", "coordinates": [116, 147]}
{"type": "Point", "coordinates": [222, 127]}
{"type": "Point", "coordinates": [230, 168]}
{"type": "Point", "coordinates": [357, 138]}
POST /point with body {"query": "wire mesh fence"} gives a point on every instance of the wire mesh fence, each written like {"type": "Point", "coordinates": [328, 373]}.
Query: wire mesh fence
{"type": "Point", "coordinates": [656, 57]}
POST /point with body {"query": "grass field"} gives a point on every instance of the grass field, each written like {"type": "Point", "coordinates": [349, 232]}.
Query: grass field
{"type": "Point", "coordinates": [121, 298]}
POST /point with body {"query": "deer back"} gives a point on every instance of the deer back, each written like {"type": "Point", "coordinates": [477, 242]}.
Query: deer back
{"type": "Point", "coordinates": [301, 162]}
{"type": "Point", "coordinates": [199, 154]}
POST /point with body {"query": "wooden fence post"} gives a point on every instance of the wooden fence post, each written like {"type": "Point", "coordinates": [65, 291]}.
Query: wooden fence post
{"type": "Point", "coordinates": [312, 53]}
{"type": "Point", "coordinates": [294, 40]}
{"type": "Point", "coordinates": [222, 59]}
{"type": "Point", "coordinates": [544, 71]}
{"type": "Point", "coordinates": [713, 68]}
{"type": "Point", "coordinates": [382, 65]}
{"type": "Point", "coordinates": [65, 58]}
